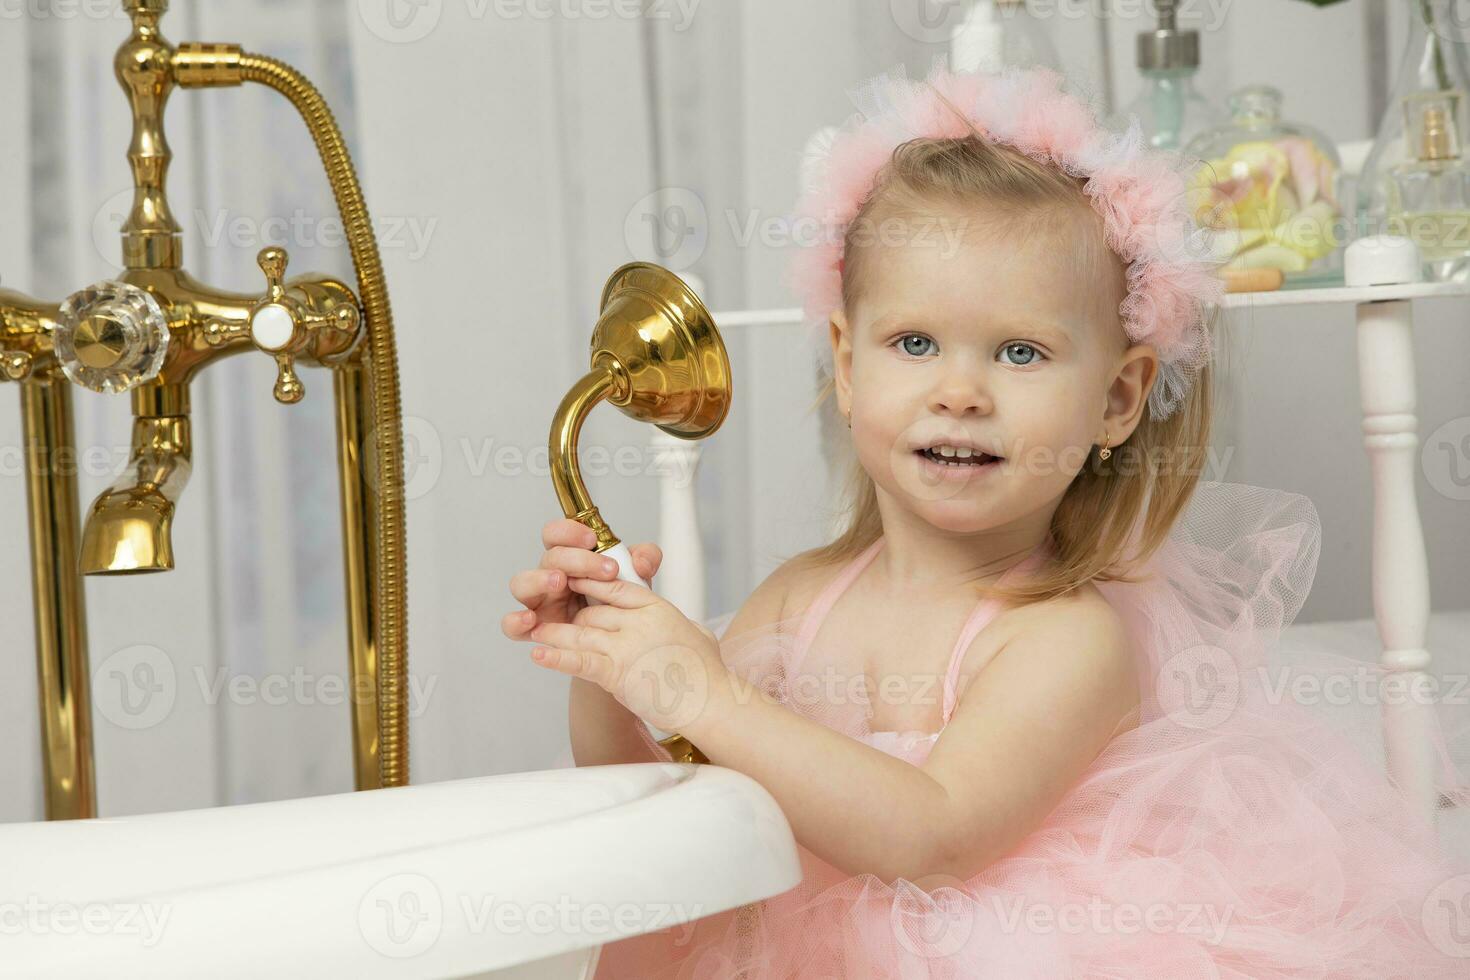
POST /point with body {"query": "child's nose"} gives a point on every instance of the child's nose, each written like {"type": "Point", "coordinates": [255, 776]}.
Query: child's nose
{"type": "Point", "coordinates": [960, 392]}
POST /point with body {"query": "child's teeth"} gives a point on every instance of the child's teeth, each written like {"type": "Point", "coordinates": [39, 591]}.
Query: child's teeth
{"type": "Point", "coordinates": [955, 456]}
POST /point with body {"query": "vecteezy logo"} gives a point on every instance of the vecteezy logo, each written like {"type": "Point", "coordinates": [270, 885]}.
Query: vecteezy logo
{"type": "Point", "coordinates": [401, 916]}
{"type": "Point", "coordinates": [1446, 916]}
{"type": "Point", "coordinates": [1446, 459]}
{"type": "Point", "coordinates": [669, 226]}
{"type": "Point", "coordinates": [930, 21]}
{"type": "Point", "coordinates": [1450, 19]}
{"type": "Point", "coordinates": [1199, 227]}
{"type": "Point", "coordinates": [107, 222]}
{"type": "Point", "coordinates": [135, 687]}
{"type": "Point", "coordinates": [422, 456]}
{"type": "Point", "coordinates": [916, 477]}
{"type": "Point", "coordinates": [400, 21]}
{"type": "Point", "coordinates": [1199, 687]}
{"type": "Point", "coordinates": [933, 916]}
{"type": "Point", "coordinates": [669, 683]}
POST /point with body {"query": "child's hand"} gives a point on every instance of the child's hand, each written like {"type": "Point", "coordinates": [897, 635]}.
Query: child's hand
{"type": "Point", "coordinates": [657, 662]}
{"type": "Point", "coordinates": [568, 554]}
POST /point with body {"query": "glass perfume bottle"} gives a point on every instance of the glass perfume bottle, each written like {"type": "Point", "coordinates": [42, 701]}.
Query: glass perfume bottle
{"type": "Point", "coordinates": [1434, 60]}
{"type": "Point", "coordinates": [1269, 188]}
{"type": "Point", "coordinates": [1428, 195]}
{"type": "Point", "coordinates": [1170, 110]}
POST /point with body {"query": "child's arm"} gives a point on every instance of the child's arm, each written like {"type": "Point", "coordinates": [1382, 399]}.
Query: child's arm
{"type": "Point", "coordinates": [1024, 731]}
{"type": "Point", "coordinates": [604, 732]}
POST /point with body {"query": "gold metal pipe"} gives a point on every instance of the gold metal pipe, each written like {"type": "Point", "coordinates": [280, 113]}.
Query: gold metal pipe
{"type": "Point", "coordinates": [566, 470]}
{"type": "Point", "coordinates": [64, 685]}
{"type": "Point", "coordinates": [143, 64]}
{"type": "Point", "coordinates": [349, 387]}
{"type": "Point", "coordinates": [58, 599]}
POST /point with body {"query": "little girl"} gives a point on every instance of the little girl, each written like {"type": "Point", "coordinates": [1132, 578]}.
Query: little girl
{"type": "Point", "coordinates": [1020, 714]}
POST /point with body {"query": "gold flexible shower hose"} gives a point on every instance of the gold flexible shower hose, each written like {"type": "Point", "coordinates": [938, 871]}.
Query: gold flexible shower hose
{"type": "Point", "coordinates": [391, 625]}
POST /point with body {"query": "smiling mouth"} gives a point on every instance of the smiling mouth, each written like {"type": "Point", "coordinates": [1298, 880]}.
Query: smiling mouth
{"type": "Point", "coordinates": [975, 459]}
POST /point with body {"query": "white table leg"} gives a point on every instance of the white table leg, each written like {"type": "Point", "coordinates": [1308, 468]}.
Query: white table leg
{"type": "Point", "coordinates": [1400, 565]}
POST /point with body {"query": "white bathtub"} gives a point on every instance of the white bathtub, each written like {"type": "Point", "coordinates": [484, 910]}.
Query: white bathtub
{"type": "Point", "coordinates": [519, 876]}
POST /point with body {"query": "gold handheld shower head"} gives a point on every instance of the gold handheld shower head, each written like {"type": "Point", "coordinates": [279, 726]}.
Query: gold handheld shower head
{"type": "Point", "coordinates": [657, 356]}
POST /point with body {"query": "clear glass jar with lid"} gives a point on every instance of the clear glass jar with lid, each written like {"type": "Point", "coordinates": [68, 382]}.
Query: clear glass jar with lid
{"type": "Point", "coordinates": [1269, 188]}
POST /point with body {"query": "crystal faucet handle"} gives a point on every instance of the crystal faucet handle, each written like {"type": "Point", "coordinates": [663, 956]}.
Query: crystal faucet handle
{"type": "Point", "coordinates": [111, 336]}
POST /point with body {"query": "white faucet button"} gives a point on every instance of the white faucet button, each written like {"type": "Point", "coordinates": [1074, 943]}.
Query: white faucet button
{"type": "Point", "coordinates": [272, 326]}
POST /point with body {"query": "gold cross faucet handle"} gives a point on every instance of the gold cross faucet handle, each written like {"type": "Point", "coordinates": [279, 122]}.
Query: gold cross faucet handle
{"type": "Point", "coordinates": [277, 327]}
{"type": "Point", "coordinates": [283, 326]}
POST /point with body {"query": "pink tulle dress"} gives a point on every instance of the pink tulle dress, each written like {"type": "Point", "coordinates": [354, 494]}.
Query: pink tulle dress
{"type": "Point", "coordinates": [1236, 833]}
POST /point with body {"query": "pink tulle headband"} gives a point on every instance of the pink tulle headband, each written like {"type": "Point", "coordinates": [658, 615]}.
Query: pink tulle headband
{"type": "Point", "coordinates": [1141, 193]}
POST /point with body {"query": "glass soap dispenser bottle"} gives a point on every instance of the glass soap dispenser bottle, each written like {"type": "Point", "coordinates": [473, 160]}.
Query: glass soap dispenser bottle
{"type": "Point", "coordinates": [1429, 192]}
{"type": "Point", "coordinates": [1169, 108]}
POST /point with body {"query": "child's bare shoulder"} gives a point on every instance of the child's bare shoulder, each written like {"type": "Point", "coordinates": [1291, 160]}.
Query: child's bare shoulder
{"type": "Point", "coordinates": [1084, 605]}
{"type": "Point", "coordinates": [785, 591]}
{"type": "Point", "coordinates": [1080, 630]}
{"type": "Point", "coordinates": [1082, 614]}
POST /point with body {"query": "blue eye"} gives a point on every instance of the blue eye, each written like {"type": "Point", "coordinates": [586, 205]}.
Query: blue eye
{"type": "Point", "coordinates": [1030, 353]}
{"type": "Point", "coordinates": [907, 349]}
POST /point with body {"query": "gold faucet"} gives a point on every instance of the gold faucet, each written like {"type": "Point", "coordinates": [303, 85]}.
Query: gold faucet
{"type": "Point", "coordinates": [148, 331]}
{"type": "Point", "coordinates": [130, 527]}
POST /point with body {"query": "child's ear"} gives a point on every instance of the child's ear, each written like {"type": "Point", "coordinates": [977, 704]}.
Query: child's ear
{"type": "Point", "coordinates": [838, 333]}
{"type": "Point", "coordinates": [1137, 371]}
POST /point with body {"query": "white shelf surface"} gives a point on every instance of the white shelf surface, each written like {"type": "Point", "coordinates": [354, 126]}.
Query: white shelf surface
{"type": "Point", "coordinates": [1344, 294]}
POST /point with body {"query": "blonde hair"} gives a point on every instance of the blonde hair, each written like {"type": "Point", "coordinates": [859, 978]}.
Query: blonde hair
{"type": "Point", "coordinates": [1109, 502]}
